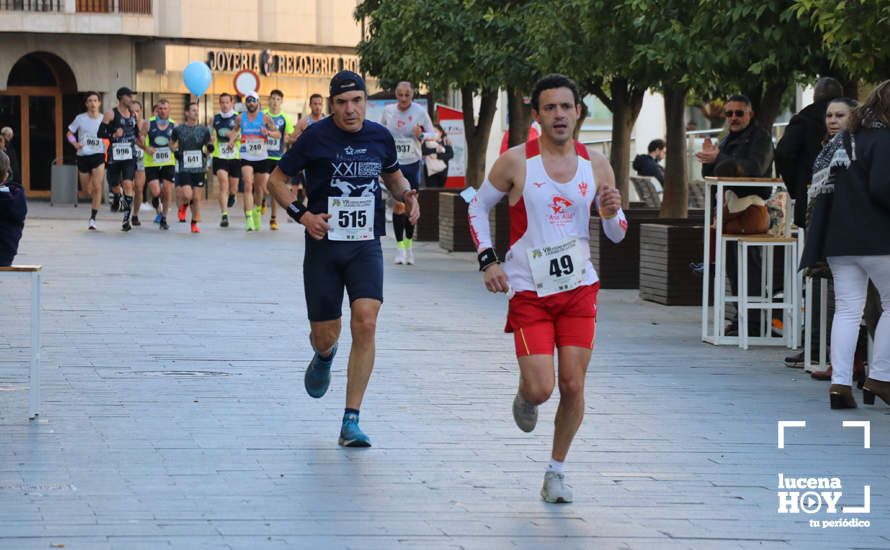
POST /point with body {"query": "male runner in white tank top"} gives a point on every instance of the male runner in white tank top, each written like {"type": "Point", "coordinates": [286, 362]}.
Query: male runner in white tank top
{"type": "Point", "coordinates": [552, 183]}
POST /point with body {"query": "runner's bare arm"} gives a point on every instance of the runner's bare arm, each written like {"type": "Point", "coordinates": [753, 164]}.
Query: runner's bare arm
{"type": "Point", "coordinates": [608, 199]}
{"type": "Point", "coordinates": [141, 142]}
{"type": "Point", "coordinates": [401, 191]}
{"type": "Point", "coordinates": [271, 129]}
{"type": "Point", "coordinates": [498, 184]}
{"type": "Point", "coordinates": [316, 224]}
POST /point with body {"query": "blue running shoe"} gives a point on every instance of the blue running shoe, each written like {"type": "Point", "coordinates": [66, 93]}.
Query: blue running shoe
{"type": "Point", "coordinates": [158, 218]}
{"type": "Point", "coordinates": [318, 374]}
{"type": "Point", "coordinates": [350, 434]}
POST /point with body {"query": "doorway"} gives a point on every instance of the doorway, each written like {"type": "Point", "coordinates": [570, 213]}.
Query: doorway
{"type": "Point", "coordinates": [32, 105]}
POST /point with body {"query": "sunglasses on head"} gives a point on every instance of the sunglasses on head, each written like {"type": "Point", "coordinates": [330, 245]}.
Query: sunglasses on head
{"type": "Point", "coordinates": [738, 113]}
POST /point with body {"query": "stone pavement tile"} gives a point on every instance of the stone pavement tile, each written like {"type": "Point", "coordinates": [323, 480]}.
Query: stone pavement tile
{"type": "Point", "coordinates": [176, 403]}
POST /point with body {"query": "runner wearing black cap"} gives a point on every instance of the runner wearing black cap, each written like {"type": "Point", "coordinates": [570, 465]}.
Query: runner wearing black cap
{"type": "Point", "coordinates": [120, 126]}
{"type": "Point", "coordinates": [343, 156]}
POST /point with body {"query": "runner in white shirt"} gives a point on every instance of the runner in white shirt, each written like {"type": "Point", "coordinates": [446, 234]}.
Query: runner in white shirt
{"type": "Point", "coordinates": [83, 135]}
{"type": "Point", "coordinates": [551, 184]}
{"type": "Point", "coordinates": [410, 125]}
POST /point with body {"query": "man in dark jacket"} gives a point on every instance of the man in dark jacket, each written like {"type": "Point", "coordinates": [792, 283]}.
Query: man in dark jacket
{"type": "Point", "coordinates": [747, 150]}
{"type": "Point", "coordinates": [802, 141]}
{"type": "Point", "coordinates": [647, 165]}
{"type": "Point", "coordinates": [795, 154]}
{"type": "Point", "coordinates": [13, 210]}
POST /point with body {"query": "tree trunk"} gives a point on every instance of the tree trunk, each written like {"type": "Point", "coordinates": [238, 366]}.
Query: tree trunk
{"type": "Point", "coordinates": [477, 133]}
{"type": "Point", "coordinates": [675, 200]}
{"type": "Point", "coordinates": [626, 104]}
{"type": "Point", "coordinates": [519, 115]}
{"type": "Point", "coordinates": [767, 103]}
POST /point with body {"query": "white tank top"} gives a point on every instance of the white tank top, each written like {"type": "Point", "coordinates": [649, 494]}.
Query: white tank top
{"type": "Point", "coordinates": [549, 213]}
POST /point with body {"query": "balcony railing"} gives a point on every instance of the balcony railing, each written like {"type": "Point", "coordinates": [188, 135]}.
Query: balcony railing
{"type": "Point", "coordinates": [33, 5]}
{"type": "Point", "coordinates": [114, 6]}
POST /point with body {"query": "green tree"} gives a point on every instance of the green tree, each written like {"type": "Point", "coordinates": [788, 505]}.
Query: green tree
{"type": "Point", "coordinates": [590, 41]}
{"type": "Point", "coordinates": [475, 46]}
{"type": "Point", "coordinates": [854, 31]}
{"type": "Point", "coordinates": [766, 48]}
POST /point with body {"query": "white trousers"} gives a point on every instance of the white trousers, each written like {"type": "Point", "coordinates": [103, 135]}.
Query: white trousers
{"type": "Point", "coordinates": [851, 275]}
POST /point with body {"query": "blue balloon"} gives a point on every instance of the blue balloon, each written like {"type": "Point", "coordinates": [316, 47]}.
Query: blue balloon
{"type": "Point", "coordinates": [197, 77]}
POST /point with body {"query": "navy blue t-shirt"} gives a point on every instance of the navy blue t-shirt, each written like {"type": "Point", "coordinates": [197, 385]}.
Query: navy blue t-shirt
{"type": "Point", "coordinates": [343, 164]}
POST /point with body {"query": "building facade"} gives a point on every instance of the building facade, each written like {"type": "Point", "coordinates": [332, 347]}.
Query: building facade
{"type": "Point", "coordinates": [51, 51]}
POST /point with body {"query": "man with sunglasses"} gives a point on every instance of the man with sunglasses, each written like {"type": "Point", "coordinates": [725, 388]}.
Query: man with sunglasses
{"type": "Point", "coordinates": [746, 151]}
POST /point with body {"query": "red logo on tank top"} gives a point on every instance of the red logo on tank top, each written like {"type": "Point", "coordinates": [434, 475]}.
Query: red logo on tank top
{"type": "Point", "coordinates": [582, 188]}
{"type": "Point", "coordinates": [562, 211]}
{"type": "Point", "coordinates": [538, 184]}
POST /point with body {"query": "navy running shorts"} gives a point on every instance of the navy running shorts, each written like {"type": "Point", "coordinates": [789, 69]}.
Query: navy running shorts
{"type": "Point", "coordinates": [191, 179]}
{"type": "Point", "coordinates": [86, 163]}
{"type": "Point", "coordinates": [329, 267]}
{"type": "Point", "coordinates": [412, 173]}
{"type": "Point", "coordinates": [122, 170]}
{"type": "Point", "coordinates": [160, 173]}
{"type": "Point", "coordinates": [231, 166]}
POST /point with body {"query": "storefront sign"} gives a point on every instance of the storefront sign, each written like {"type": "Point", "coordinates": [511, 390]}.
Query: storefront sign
{"type": "Point", "coordinates": [280, 63]}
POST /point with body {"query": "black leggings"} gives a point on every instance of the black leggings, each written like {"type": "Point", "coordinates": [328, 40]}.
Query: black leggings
{"type": "Point", "coordinates": [402, 227]}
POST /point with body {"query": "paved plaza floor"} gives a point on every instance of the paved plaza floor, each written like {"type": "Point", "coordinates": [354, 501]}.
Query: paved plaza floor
{"type": "Point", "coordinates": [174, 414]}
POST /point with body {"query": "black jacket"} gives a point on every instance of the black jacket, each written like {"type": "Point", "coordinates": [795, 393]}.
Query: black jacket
{"type": "Point", "coordinates": [854, 220]}
{"type": "Point", "coordinates": [752, 148]}
{"type": "Point", "coordinates": [796, 152]}
{"type": "Point", "coordinates": [13, 209]}
{"type": "Point", "coordinates": [645, 165]}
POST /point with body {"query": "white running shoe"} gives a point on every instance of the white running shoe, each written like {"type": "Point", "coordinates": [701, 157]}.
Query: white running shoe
{"type": "Point", "coordinates": [409, 256]}
{"type": "Point", "coordinates": [400, 257]}
{"type": "Point", "coordinates": [524, 413]}
{"type": "Point", "coordinates": [555, 489]}
{"type": "Point", "coordinates": [92, 224]}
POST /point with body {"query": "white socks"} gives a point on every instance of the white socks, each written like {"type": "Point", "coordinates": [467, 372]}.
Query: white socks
{"type": "Point", "coordinates": [555, 466]}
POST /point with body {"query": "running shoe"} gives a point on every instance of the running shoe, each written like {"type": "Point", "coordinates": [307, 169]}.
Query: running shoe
{"type": "Point", "coordinates": [318, 374]}
{"type": "Point", "coordinates": [524, 413]}
{"type": "Point", "coordinates": [273, 224]}
{"type": "Point", "coordinates": [126, 225]}
{"type": "Point", "coordinates": [263, 208]}
{"type": "Point", "coordinates": [163, 225]}
{"type": "Point", "coordinates": [257, 219]}
{"type": "Point", "coordinates": [158, 217]}
{"type": "Point", "coordinates": [182, 211]}
{"type": "Point", "coordinates": [555, 489]}
{"type": "Point", "coordinates": [136, 222]}
{"type": "Point", "coordinates": [224, 221]}
{"type": "Point", "coordinates": [115, 203]}
{"type": "Point", "coordinates": [409, 256]}
{"type": "Point", "coordinates": [92, 226]}
{"type": "Point", "coordinates": [400, 256]}
{"type": "Point", "coordinates": [248, 223]}
{"type": "Point", "coordinates": [195, 228]}
{"type": "Point", "coordinates": [231, 202]}
{"type": "Point", "coordinates": [350, 434]}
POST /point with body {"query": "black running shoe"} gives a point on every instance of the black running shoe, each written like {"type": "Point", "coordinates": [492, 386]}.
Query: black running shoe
{"type": "Point", "coordinates": [126, 225]}
{"type": "Point", "coordinates": [163, 225]}
{"type": "Point", "coordinates": [231, 202]}
{"type": "Point", "coordinates": [136, 222]}
{"type": "Point", "coordinates": [116, 203]}
{"type": "Point", "coordinates": [224, 222]}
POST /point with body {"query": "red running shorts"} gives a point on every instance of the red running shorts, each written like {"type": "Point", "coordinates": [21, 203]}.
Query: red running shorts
{"type": "Point", "coordinates": [564, 319]}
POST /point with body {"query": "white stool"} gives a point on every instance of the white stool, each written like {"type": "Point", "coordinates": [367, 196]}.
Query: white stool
{"type": "Point", "coordinates": [34, 375]}
{"type": "Point", "coordinates": [765, 303]}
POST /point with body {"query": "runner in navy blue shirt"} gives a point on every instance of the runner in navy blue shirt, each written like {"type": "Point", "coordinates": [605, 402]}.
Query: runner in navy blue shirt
{"type": "Point", "coordinates": [344, 157]}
